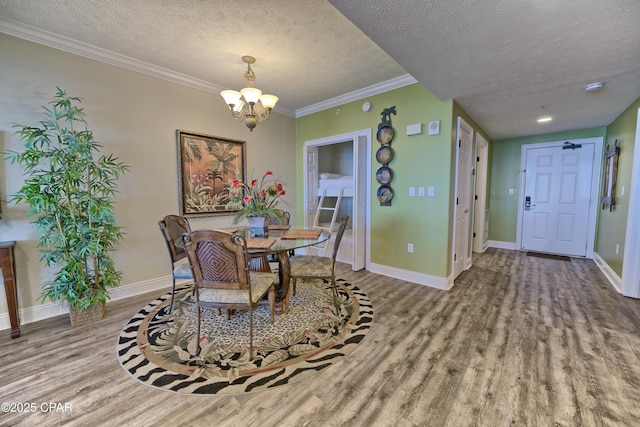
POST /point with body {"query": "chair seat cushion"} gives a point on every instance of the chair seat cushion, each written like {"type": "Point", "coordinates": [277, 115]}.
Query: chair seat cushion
{"type": "Point", "coordinates": [260, 284]}
{"type": "Point", "coordinates": [182, 269]}
{"type": "Point", "coordinates": [311, 265]}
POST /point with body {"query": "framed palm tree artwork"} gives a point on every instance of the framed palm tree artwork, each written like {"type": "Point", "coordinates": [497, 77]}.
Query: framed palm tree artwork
{"type": "Point", "coordinates": [206, 167]}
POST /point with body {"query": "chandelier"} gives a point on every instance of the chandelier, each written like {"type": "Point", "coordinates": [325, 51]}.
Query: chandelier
{"type": "Point", "coordinates": [250, 104]}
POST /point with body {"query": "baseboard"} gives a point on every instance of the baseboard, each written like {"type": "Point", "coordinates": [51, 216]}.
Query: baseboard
{"type": "Point", "coordinates": [411, 276]}
{"type": "Point", "coordinates": [611, 275]}
{"type": "Point", "coordinates": [501, 245]}
{"type": "Point", "coordinates": [48, 310]}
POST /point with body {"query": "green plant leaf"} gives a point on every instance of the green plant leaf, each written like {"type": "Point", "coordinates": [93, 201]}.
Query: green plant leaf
{"type": "Point", "coordinates": [68, 186]}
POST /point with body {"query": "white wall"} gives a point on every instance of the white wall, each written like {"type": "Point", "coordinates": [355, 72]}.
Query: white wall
{"type": "Point", "coordinates": [135, 117]}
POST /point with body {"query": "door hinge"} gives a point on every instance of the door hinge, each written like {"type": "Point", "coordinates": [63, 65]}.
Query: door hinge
{"type": "Point", "coordinates": [478, 159]}
{"type": "Point", "coordinates": [455, 257]}
{"type": "Point", "coordinates": [476, 196]}
{"type": "Point", "coordinates": [474, 235]}
{"type": "Point", "coordinates": [459, 143]}
{"type": "Point", "coordinates": [456, 200]}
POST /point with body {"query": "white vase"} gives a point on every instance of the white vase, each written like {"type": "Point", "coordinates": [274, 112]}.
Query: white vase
{"type": "Point", "coordinates": [258, 226]}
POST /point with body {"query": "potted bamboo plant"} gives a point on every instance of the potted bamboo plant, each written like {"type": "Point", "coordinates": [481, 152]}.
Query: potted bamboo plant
{"type": "Point", "coordinates": [69, 188]}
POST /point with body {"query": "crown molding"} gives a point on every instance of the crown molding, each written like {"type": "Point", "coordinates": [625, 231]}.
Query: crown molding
{"type": "Point", "coordinates": [356, 95]}
{"type": "Point", "coordinates": [66, 44]}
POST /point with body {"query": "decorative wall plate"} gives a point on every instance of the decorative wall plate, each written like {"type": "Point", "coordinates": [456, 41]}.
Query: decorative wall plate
{"type": "Point", "coordinates": [385, 134]}
{"type": "Point", "coordinates": [384, 155]}
{"type": "Point", "coordinates": [385, 194]}
{"type": "Point", "coordinates": [384, 175]}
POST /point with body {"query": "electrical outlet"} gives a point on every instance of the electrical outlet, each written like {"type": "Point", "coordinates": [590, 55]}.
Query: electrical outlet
{"type": "Point", "coordinates": [410, 248]}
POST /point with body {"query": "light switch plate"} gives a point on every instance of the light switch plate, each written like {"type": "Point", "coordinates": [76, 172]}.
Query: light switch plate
{"type": "Point", "coordinates": [412, 191]}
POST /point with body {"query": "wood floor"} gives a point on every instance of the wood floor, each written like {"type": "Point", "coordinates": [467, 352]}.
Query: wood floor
{"type": "Point", "coordinates": [518, 341]}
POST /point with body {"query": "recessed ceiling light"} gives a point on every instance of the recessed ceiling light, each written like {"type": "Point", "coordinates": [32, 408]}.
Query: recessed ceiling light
{"type": "Point", "coordinates": [545, 119]}
{"type": "Point", "coordinates": [594, 87]}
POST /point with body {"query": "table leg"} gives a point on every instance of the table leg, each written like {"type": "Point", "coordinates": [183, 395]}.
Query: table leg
{"type": "Point", "coordinates": [8, 266]}
{"type": "Point", "coordinates": [284, 273]}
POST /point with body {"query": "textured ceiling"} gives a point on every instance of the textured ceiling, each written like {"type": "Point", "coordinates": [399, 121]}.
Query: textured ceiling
{"type": "Point", "coordinates": [502, 61]}
{"type": "Point", "coordinates": [508, 63]}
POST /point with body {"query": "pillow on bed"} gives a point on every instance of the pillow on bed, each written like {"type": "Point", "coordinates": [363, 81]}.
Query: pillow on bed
{"type": "Point", "coordinates": [329, 176]}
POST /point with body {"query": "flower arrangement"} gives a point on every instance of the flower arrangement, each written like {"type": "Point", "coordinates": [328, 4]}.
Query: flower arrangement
{"type": "Point", "coordinates": [258, 199]}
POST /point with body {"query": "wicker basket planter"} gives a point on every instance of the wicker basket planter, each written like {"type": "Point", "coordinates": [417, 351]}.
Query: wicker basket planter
{"type": "Point", "coordinates": [92, 314]}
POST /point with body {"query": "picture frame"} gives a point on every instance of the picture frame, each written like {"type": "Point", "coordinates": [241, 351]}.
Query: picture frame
{"type": "Point", "coordinates": [206, 165]}
{"type": "Point", "coordinates": [610, 174]}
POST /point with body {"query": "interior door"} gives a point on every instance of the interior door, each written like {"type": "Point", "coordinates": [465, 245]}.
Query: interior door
{"type": "Point", "coordinates": [480, 228]}
{"type": "Point", "coordinates": [557, 199]}
{"type": "Point", "coordinates": [311, 183]}
{"type": "Point", "coordinates": [462, 248]}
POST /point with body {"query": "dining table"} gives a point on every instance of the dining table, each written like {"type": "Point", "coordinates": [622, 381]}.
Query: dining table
{"type": "Point", "coordinates": [282, 240]}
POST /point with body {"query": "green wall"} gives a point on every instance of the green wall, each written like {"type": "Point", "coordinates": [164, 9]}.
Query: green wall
{"type": "Point", "coordinates": [612, 226]}
{"type": "Point", "coordinates": [419, 161]}
{"type": "Point", "coordinates": [505, 174]}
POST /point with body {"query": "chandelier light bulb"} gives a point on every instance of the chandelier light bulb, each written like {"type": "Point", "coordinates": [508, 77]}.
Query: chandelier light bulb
{"type": "Point", "coordinates": [249, 104]}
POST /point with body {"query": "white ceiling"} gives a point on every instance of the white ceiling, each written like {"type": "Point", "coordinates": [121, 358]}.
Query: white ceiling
{"type": "Point", "coordinates": [506, 63]}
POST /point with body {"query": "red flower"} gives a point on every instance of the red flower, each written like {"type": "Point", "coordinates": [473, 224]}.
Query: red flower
{"type": "Point", "coordinates": [258, 199]}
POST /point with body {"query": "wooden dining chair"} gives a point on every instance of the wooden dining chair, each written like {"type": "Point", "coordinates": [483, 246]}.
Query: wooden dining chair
{"type": "Point", "coordinates": [316, 266]}
{"type": "Point", "coordinates": [172, 227]}
{"type": "Point", "coordinates": [283, 219]}
{"type": "Point", "coordinates": [219, 262]}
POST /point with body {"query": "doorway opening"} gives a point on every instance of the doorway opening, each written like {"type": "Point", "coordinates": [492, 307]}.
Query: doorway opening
{"type": "Point", "coordinates": [340, 165]}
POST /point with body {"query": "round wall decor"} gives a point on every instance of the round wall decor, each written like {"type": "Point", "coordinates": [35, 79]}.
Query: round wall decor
{"type": "Point", "coordinates": [384, 155]}
{"type": "Point", "coordinates": [384, 175]}
{"type": "Point", "coordinates": [385, 134]}
{"type": "Point", "coordinates": [385, 194]}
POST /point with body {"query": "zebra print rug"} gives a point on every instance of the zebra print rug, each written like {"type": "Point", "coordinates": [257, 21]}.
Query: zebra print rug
{"type": "Point", "coordinates": [157, 348]}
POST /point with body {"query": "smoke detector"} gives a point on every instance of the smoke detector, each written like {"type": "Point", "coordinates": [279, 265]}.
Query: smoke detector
{"type": "Point", "coordinates": [594, 87]}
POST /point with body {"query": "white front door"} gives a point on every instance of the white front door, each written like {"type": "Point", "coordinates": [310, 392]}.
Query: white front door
{"type": "Point", "coordinates": [557, 199]}
{"type": "Point", "coordinates": [462, 248]}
